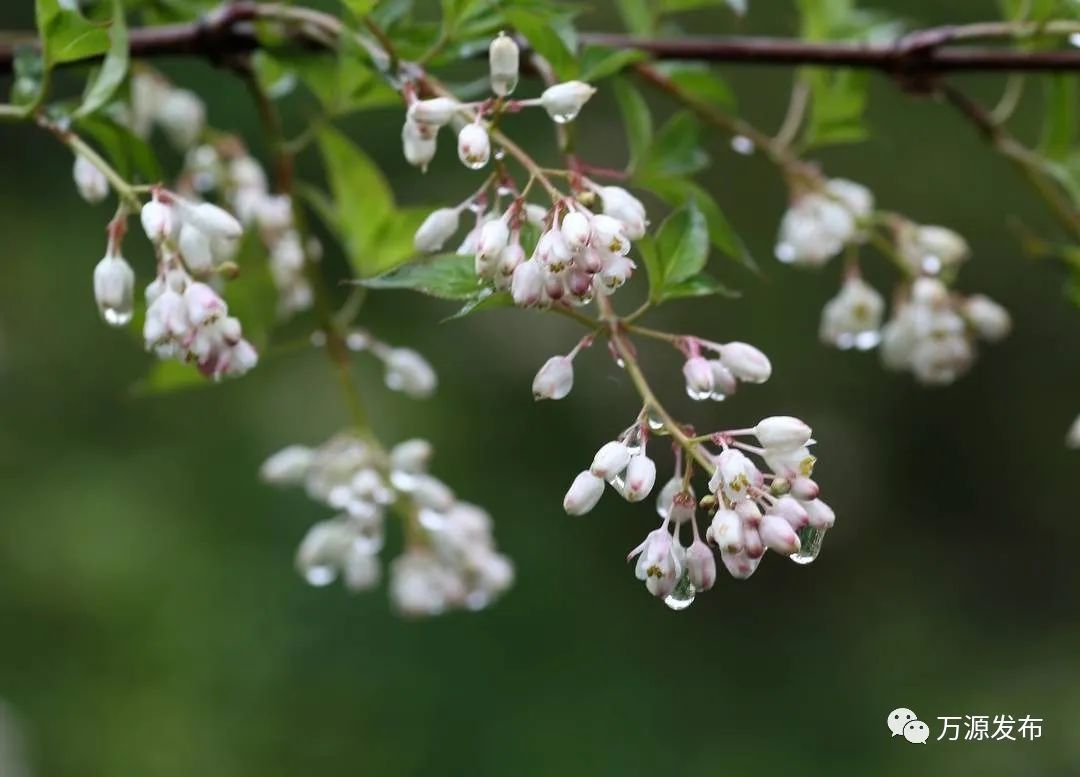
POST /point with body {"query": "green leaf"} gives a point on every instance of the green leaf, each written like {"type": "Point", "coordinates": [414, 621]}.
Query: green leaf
{"type": "Point", "coordinates": [447, 276]}
{"type": "Point", "coordinates": [167, 377]}
{"type": "Point", "coordinates": [129, 154]}
{"type": "Point", "coordinates": [598, 63]}
{"type": "Point", "coordinates": [638, 122]}
{"type": "Point", "coordinates": [553, 38]}
{"type": "Point", "coordinates": [29, 70]}
{"type": "Point", "coordinates": [677, 147]}
{"type": "Point", "coordinates": [699, 82]}
{"type": "Point", "coordinates": [701, 285]}
{"type": "Point", "coordinates": [113, 71]}
{"type": "Point", "coordinates": [1062, 117]}
{"type": "Point", "coordinates": [66, 35]}
{"type": "Point", "coordinates": [360, 7]}
{"type": "Point", "coordinates": [679, 191]}
{"type": "Point", "coordinates": [682, 243]}
{"type": "Point", "coordinates": [363, 202]}
{"type": "Point", "coordinates": [252, 295]}
{"type": "Point", "coordinates": [485, 300]}
{"type": "Point", "coordinates": [837, 107]}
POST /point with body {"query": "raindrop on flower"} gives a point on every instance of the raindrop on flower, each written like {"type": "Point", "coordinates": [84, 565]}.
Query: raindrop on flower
{"type": "Point", "coordinates": [117, 316]}
{"type": "Point", "coordinates": [741, 144]}
{"type": "Point", "coordinates": [656, 423]}
{"type": "Point", "coordinates": [683, 594]}
{"type": "Point", "coordinates": [696, 395]}
{"type": "Point", "coordinates": [320, 575]}
{"type": "Point", "coordinates": [810, 540]}
{"type": "Point", "coordinates": [786, 252]}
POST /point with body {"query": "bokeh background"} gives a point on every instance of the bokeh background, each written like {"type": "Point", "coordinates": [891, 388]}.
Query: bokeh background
{"type": "Point", "coordinates": [151, 623]}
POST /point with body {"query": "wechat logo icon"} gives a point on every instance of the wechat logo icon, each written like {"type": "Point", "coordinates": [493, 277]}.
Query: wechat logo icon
{"type": "Point", "coordinates": [902, 722]}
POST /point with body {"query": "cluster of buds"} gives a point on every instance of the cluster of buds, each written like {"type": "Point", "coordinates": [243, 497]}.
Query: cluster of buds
{"type": "Point", "coordinates": [621, 463]}
{"type": "Point", "coordinates": [578, 254]}
{"type": "Point", "coordinates": [852, 319]}
{"type": "Point", "coordinates": [406, 371]}
{"type": "Point", "coordinates": [450, 560]}
{"type": "Point", "coordinates": [932, 333]}
{"type": "Point", "coordinates": [187, 319]}
{"type": "Point", "coordinates": [243, 183]}
{"type": "Point", "coordinates": [820, 223]}
{"type": "Point", "coordinates": [180, 113]}
{"type": "Point", "coordinates": [717, 377]}
{"type": "Point", "coordinates": [419, 135]}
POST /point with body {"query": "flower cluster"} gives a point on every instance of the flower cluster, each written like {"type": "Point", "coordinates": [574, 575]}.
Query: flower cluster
{"type": "Point", "coordinates": [187, 319]}
{"type": "Point", "coordinates": [450, 560]}
{"type": "Point", "coordinates": [932, 333]}
{"type": "Point", "coordinates": [406, 370]}
{"type": "Point", "coordinates": [180, 113]}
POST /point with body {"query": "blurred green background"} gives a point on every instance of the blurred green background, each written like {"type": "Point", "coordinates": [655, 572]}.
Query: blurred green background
{"type": "Point", "coordinates": [151, 623]}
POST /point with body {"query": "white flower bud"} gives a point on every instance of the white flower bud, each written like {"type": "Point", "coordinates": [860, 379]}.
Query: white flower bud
{"type": "Point", "coordinates": [640, 478]}
{"type": "Point", "coordinates": [804, 488]}
{"type": "Point", "coordinates": [504, 59]}
{"type": "Point", "coordinates": [576, 230]}
{"type": "Point", "coordinates": [429, 491]}
{"type": "Point", "coordinates": [527, 285]}
{"type": "Point", "coordinates": [166, 317]}
{"type": "Point", "coordinates": [626, 208]}
{"type": "Point", "coordinates": [778, 535]}
{"type": "Point", "coordinates": [782, 433]}
{"type": "Point", "coordinates": [683, 506]}
{"type": "Point", "coordinates": [584, 493]}
{"type": "Point", "coordinates": [411, 456]}
{"type": "Point", "coordinates": [157, 220]}
{"type": "Point", "coordinates": [555, 379]}
{"type": "Point", "coordinates": [215, 222]}
{"type": "Point", "coordinates": [494, 236]}
{"type": "Point", "coordinates": [183, 117]}
{"type": "Point", "coordinates": [511, 256]}
{"type": "Point", "coordinates": [724, 383]}
{"type": "Point", "coordinates": [792, 511]}
{"type": "Point", "coordinates": [610, 235]}
{"type": "Point", "coordinates": [195, 249]}
{"type": "Point", "coordinates": [564, 101]}
{"type": "Point", "coordinates": [858, 200]}
{"type": "Point", "coordinates": [288, 466]}
{"type": "Point", "coordinates": [726, 531]}
{"type": "Point", "coordinates": [701, 565]}
{"type": "Point", "coordinates": [418, 144]}
{"type": "Point", "coordinates": [436, 112]}
{"type": "Point", "coordinates": [990, 320]}
{"type": "Point", "coordinates": [1072, 439]}
{"type": "Point", "coordinates": [699, 377]}
{"type": "Point", "coordinates": [610, 460]}
{"type": "Point", "coordinates": [820, 514]}
{"type": "Point", "coordinates": [852, 319]}
{"type": "Point", "coordinates": [360, 570]}
{"type": "Point", "coordinates": [666, 498]}
{"type": "Point", "coordinates": [740, 565]}
{"type": "Point", "coordinates": [746, 362]}
{"type": "Point", "coordinates": [114, 290]}
{"type": "Point", "coordinates": [931, 249]}
{"type": "Point", "coordinates": [657, 564]}
{"type": "Point", "coordinates": [753, 545]}
{"type": "Point", "coordinates": [92, 184]}
{"type": "Point", "coordinates": [553, 250]}
{"type": "Point", "coordinates": [409, 372]}
{"type": "Point", "coordinates": [929, 292]}
{"type": "Point", "coordinates": [474, 146]}
{"type": "Point", "coordinates": [438, 227]}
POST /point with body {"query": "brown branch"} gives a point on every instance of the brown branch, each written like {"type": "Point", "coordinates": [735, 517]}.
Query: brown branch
{"type": "Point", "coordinates": [229, 30]}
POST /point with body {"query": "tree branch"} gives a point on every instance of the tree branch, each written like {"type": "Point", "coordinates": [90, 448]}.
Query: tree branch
{"type": "Point", "coordinates": [229, 30]}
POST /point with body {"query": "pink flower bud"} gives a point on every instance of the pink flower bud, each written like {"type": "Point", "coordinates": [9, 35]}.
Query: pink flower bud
{"type": "Point", "coordinates": [739, 565]}
{"type": "Point", "coordinates": [789, 508]}
{"type": "Point", "coordinates": [640, 478]}
{"type": "Point", "coordinates": [724, 383]}
{"type": "Point", "coordinates": [701, 565]}
{"type": "Point", "coordinates": [821, 515]}
{"type": "Point", "coordinates": [555, 379]}
{"type": "Point", "coordinates": [804, 489]}
{"type": "Point", "coordinates": [610, 460]}
{"type": "Point", "coordinates": [726, 531]}
{"type": "Point", "coordinates": [438, 227]}
{"type": "Point", "coordinates": [753, 545]}
{"type": "Point", "coordinates": [778, 535]}
{"type": "Point", "coordinates": [157, 220]}
{"type": "Point", "coordinates": [436, 112]}
{"type": "Point", "coordinates": [683, 504]}
{"type": "Point", "coordinates": [527, 284]}
{"type": "Point", "coordinates": [203, 304]}
{"type": "Point", "coordinates": [699, 377]}
{"type": "Point", "coordinates": [474, 146]}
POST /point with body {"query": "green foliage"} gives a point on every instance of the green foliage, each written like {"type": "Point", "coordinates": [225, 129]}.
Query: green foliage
{"type": "Point", "coordinates": [110, 76]}
{"type": "Point", "coordinates": [446, 276]}
{"type": "Point", "coordinates": [637, 120]}
{"type": "Point", "coordinates": [676, 258]}
{"type": "Point", "coordinates": [129, 154]}
{"type": "Point", "coordinates": [1062, 117]}
{"type": "Point", "coordinates": [676, 149]}
{"type": "Point", "coordinates": [376, 235]}
{"type": "Point", "coordinates": [66, 35]}
{"type": "Point", "coordinates": [552, 36]}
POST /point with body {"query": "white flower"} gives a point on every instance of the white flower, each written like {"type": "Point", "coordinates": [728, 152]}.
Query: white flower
{"type": "Point", "coordinates": [852, 319]}
{"type": "Point", "coordinates": [203, 304]}
{"type": "Point", "coordinates": [931, 249]}
{"type": "Point", "coordinates": [195, 249]}
{"type": "Point", "coordinates": [610, 460]}
{"type": "Point", "coordinates": [183, 117]}
{"type": "Point", "coordinates": [555, 379]}
{"type": "Point", "coordinates": [576, 230]}
{"type": "Point", "coordinates": [858, 200]}
{"type": "Point", "coordinates": [114, 290]}
{"type": "Point", "coordinates": [699, 377]}
{"type": "Point", "coordinates": [726, 531]}
{"type": "Point", "coordinates": [92, 184]}
{"type": "Point", "coordinates": [438, 227]}
{"type": "Point", "coordinates": [157, 220]}
{"type": "Point", "coordinates": [494, 236]}
{"type": "Point", "coordinates": [436, 112]}
{"type": "Point", "coordinates": [640, 478]}
{"type": "Point", "coordinates": [584, 493]}
{"type": "Point", "coordinates": [527, 285]}
{"type": "Point", "coordinates": [410, 373]}
{"type": "Point", "coordinates": [474, 146]}
{"type": "Point", "coordinates": [814, 230]}
{"type": "Point", "coordinates": [1072, 439]}
{"type": "Point", "coordinates": [782, 433]}
{"type": "Point", "coordinates": [736, 476]}
{"type": "Point", "coordinates": [626, 208]}
{"type": "Point", "coordinates": [213, 221]}
{"type": "Point", "coordinates": [504, 61]}
{"type": "Point", "coordinates": [418, 143]}
{"type": "Point", "coordinates": [990, 320]}
{"type": "Point", "coordinates": [564, 101]}
{"type": "Point", "coordinates": [411, 456]}
{"type": "Point", "coordinates": [746, 362]}
{"type": "Point", "coordinates": [657, 564]}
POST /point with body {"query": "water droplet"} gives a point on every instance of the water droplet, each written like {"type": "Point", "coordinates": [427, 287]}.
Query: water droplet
{"type": "Point", "coordinates": [741, 144]}
{"type": "Point", "coordinates": [717, 396]}
{"type": "Point", "coordinates": [475, 163]}
{"type": "Point", "coordinates": [931, 265]}
{"type": "Point", "coordinates": [357, 341]}
{"type": "Point", "coordinates": [620, 363]}
{"type": "Point", "coordinates": [565, 118]}
{"type": "Point", "coordinates": [656, 423]}
{"type": "Point", "coordinates": [320, 575]}
{"type": "Point", "coordinates": [117, 316]}
{"type": "Point", "coordinates": [504, 86]}
{"type": "Point", "coordinates": [478, 205]}
{"type": "Point", "coordinates": [500, 155]}
{"type": "Point", "coordinates": [683, 595]}
{"type": "Point", "coordinates": [785, 252]}
{"type": "Point", "coordinates": [632, 439]}
{"type": "Point", "coordinates": [504, 191]}
{"type": "Point", "coordinates": [865, 341]}
{"type": "Point", "coordinates": [810, 539]}
{"type": "Point", "coordinates": [696, 395]}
